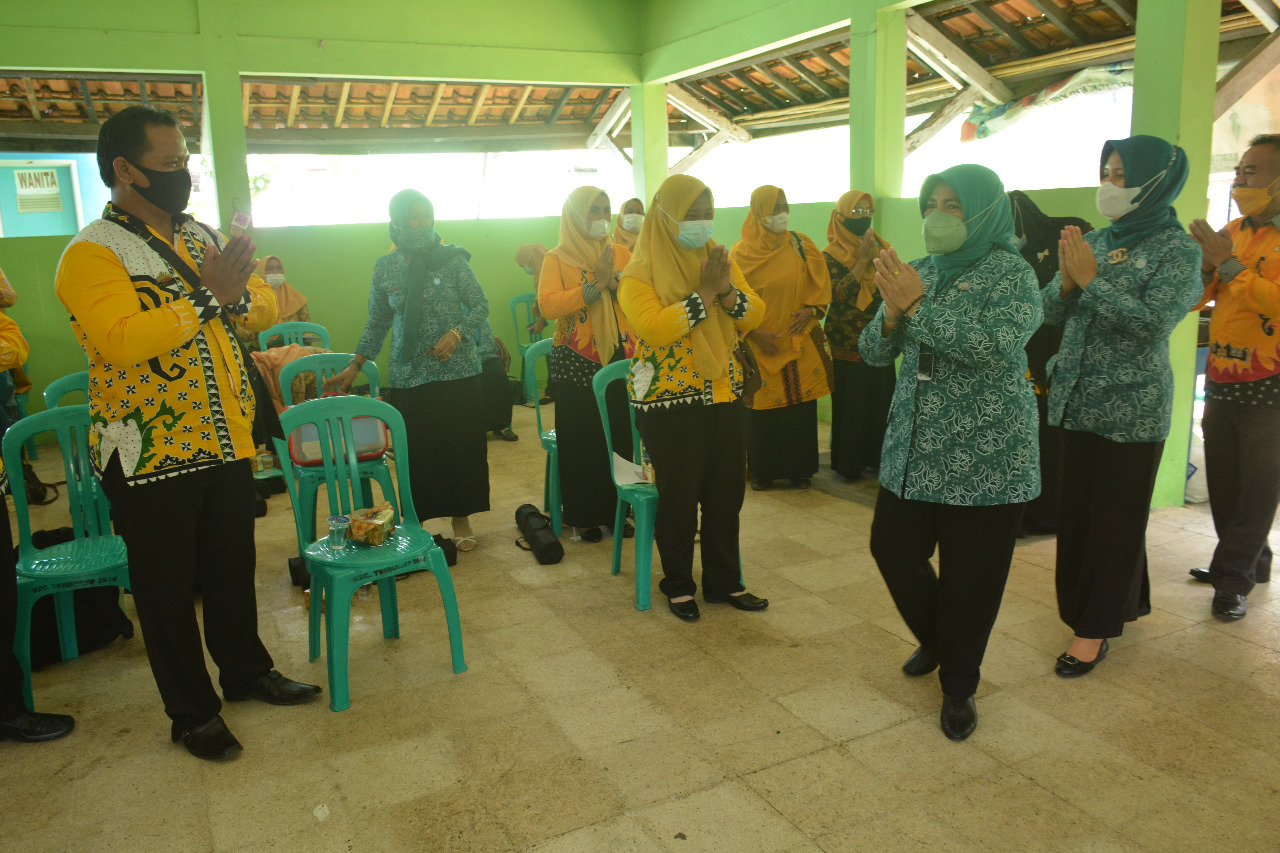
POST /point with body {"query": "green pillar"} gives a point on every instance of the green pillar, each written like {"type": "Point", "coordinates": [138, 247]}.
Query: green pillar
{"type": "Point", "coordinates": [877, 98]}
{"type": "Point", "coordinates": [223, 135]}
{"type": "Point", "coordinates": [1174, 83]}
{"type": "Point", "coordinates": [649, 138]}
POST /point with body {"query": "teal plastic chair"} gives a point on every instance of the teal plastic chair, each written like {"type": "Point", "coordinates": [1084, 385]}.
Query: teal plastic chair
{"type": "Point", "coordinates": [69, 384]}
{"type": "Point", "coordinates": [336, 575]}
{"type": "Point", "coordinates": [522, 318]}
{"type": "Point", "coordinates": [293, 333]}
{"type": "Point", "coordinates": [310, 477]}
{"type": "Point", "coordinates": [95, 558]}
{"type": "Point", "coordinates": [642, 497]}
{"type": "Point", "coordinates": [551, 477]}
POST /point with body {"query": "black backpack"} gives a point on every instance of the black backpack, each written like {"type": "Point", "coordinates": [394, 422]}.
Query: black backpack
{"type": "Point", "coordinates": [537, 536]}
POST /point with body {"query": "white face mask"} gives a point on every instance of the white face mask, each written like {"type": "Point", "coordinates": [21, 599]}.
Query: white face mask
{"type": "Point", "coordinates": [275, 279]}
{"type": "Point", "coordinates": [528, 270]}
{"type": "Point", "coordinates": [1116, 202]}
{"type": "Point", "coordinates": [599, 229]}
{"type": "Point", "coordinates": [632, 222]}
{"type": "Point", "coordinates": [776, 223]}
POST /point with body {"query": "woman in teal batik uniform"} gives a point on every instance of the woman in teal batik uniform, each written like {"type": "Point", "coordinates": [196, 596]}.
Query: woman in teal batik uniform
{"type": "Point", "coordinates": [960, 455]}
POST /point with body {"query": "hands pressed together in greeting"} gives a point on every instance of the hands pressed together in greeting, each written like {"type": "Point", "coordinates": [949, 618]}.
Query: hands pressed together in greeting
{"type": "Point", "coordinates": [1076, 260]}
{"type": "Point", "coordinates": [899, 284]}
{"type": "Point", "coordinates": [1215, 245]}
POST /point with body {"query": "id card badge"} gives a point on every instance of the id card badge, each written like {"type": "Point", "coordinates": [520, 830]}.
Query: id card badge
{"type": "Point", "coordinates": [924, 367]}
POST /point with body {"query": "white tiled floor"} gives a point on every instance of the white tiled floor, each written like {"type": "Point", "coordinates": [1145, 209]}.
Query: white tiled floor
{"type": "Point", "coordinates": [585, 725]}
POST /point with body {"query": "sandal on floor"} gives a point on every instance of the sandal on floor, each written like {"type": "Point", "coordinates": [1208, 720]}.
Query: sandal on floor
{"type": "Point", "coordinates": [465, 543]}
{"type": "Point", "coordinates": [628, 529]}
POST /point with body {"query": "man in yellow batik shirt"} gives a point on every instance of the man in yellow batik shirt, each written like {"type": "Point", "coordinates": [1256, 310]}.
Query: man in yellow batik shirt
{"type": "Point", "coordinates": [154, 298]}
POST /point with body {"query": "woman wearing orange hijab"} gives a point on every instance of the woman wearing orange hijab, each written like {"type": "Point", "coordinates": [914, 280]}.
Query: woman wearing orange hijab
{"type": "Point", "coordinates": [687, 301]}
{"type": "Point", "coordinates": [790, 274]}
{"type": "Point", "coordinates": [627, 226]}
{"type": "Point", "coordinates": [577, 290]}
{"type": "Point", "coordinates": [860, 394]}
{"type": "Point", "coordinates": [293, 305]}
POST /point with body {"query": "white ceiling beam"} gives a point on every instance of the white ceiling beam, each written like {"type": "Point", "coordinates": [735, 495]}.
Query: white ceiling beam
{"type": "Point", "coordinates": [710, 144]}
{"type": "Point", "coordinates": [614, 117]}
{"type": "Point", "coordinates": [1265, 11]}
{"type": "Point", "coordinates": [1245, 74]}
{"type": "Point", "coordinates": [706, 117]}
{"type": "Point", "coordinates": [940, 118]}
{"type": "Point", "coordinates": [933, 47]}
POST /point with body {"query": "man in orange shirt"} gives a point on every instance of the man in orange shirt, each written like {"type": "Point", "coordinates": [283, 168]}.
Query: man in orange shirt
{"type": "Point", "coordinates": [155, 298]}
{"type": "Point", "coordinates": [1241, 270]}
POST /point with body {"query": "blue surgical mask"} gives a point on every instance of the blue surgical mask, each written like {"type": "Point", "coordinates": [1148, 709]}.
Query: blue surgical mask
{"type": "Point", "coordinates": [695, 234]}
{"type": "Point", "coordinates": [529, 270]}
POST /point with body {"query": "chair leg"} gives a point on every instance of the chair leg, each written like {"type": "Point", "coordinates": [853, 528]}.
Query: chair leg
{"type": "Point", "coordinates": [337, 630]}
{"type": "Point", "coordinates": [22, 639]}
{"type": "Point", "coordinates": [445, 580]}
{"type": "Point", "coordinates": [390, 605]}
{"type": "Point", "coordinates": [64, 606]}
{"type": "Point", "coordinates": [557, 526]}
{"type": "Point", "coordinates": [315, 615]}
{"type": "Point", "coordinates": [619, 523]}
{"type": "Point", "coordinates": [308, 492]}
{"type": "Point", "coordinates": [644, 552]}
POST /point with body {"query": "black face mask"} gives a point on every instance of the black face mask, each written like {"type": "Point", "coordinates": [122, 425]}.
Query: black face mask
{"type": "Point", "coordinates": [169, 191]}
{"type": "Point", "coordinates": [857, 226]}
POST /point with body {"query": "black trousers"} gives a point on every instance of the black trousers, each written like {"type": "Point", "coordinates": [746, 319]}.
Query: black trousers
{"type": "Point", "coordinates": [1102, 531]}
{"type": "Point", "coordinates": [782, 443]}
{"type": "Point", "coordinates": [953, 610]}
{"type": "Point", "coordinates": [699, 456]}
{"type": "Point", "coordinates": [183, 530]}
{"type": "Point", "coordinates": [587, 493]}
{"type": "Point", "coordinates": [1242, 465]}
{"type": "Point", "coordinates": [497, 396]}
{"type": "Point", "coordinates": [10, 670]}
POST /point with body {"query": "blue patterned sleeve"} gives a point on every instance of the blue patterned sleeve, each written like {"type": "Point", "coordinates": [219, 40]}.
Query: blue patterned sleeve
{"type": "Point", "coordinates": [875, 348]}
{"type": "Point", "coordinates": [1009, 316]}
{"type": "Point", "coordinates": [381, 316]}
{"type": "Point", "coordinates": [1053, 304]}
{"type": "Point", "coordinates": [473, 297]}
{"type": "Point", "coordinates": [1150, 313]}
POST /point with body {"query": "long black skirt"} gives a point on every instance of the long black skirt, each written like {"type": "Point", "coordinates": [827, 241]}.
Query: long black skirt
{"type": "Point", "coordinates": [586, 481]}
{"type": "Point", "coordinates": [498, 400]}
{"type": "Point", "coordinates": [448, 457]}
{"type": "Point", "coordinates": [782, 444]}
{"type": "Point", "coordinates": [859, 414]}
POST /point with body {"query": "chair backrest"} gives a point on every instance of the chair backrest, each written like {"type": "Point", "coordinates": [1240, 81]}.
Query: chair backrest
{"type": "Point", "coordinates": [337, 445]}
{"type": "Point", "coordinates": [90, 511]}
{"type": "Point", "coordinates": [293, 333]}
{"type": "Point", "coordinates": [610, 373]}
{"type": "Point", "coordinates": [324, 365]}
{"type": "Point", "coordinates": [522, 317]}
{"type": "Point", "coordinates": [535, 351]}
{"type": "Point", "coordinates": [64, 385]}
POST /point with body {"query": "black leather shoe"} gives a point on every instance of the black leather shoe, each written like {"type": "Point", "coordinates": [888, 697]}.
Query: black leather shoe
{"type": "Point", "coordinates": [212, 740]}
{"type": "Point", "coordinates": [506, 434]}
{"type": "Point", "coordinates": [1071, 667]}
{"type": "Point", "coordinates": [274, 689]}
{"type": "Point", "coordinates": [30, 727]}
{"type": "Point", "coordinates": [592, 534]}
{"type": "Point", "coordinates": [922, 662]}
{"type": "Point", "coordinates": [745, 601]}
{"type": "Point", "coordinates": [628, 529]}
{"type": "Point", "coordinates": [1228, 605]}
{"type": "Point", "coordinates": [686, 610]}
{"type": "Point", "coordinates": [1202, 575]}
{"type": "Point", "coordinates": [959, 717]}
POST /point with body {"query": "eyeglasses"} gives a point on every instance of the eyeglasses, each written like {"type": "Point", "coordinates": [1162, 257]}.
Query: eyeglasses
{"type": "Point", "coordinates": [862, 211]}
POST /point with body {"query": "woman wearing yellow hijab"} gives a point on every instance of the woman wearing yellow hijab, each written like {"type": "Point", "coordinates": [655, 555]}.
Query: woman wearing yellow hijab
{"type": "Point", "coordinates": [790, 274]}
{"type": "Point", "coordinates": [627, 226]}
{"type": "Point", "coordinates": [860, 393]}
{"type": "Point", "coordinates": [576, 291]}
{"type": "Point", "coordinates": [293, 305]}
{"type": "Point", "coordinates": [687, 302]}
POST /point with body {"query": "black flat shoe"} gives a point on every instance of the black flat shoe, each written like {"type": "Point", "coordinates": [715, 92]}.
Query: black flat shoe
{"type": "Point", "coordinates": [1072, 667]}
{"type": "Point", "coordinates": [592, 534]}
{"type": "Point", "coordinates": [506, 434]}
{"type": "Point", "coordinates": [745, 601]}
{"type": "Point", "coordinates": [922, 662]}
{"type": "Point", "coordinates": [761, 487]}
{"type": "Point", "coordinates": [212, 740]}
{"type": "Point", "coordinates": [1202, 575]}
{"type": "Point", "coordinates": [959, 717]}
{"type": "Point", "coordinates": [1228, 606]}
{"type": "Point", "coordinates": [801, 483]}
{"type": "Point", "coordinates": [274, 689]}
{"type": "Point", "coordinates": [686, 610]}
{"type": "Point", "coordinates": [628, 529]}
{"type": "Point", "coordinates": [29, 727]}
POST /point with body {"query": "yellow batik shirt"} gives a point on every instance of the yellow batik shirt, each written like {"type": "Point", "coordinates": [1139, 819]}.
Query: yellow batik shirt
{"type": "Point", "coordinates": [168, 389]}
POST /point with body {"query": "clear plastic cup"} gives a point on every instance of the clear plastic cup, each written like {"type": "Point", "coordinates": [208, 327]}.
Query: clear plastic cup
{"type": "Point", "coordinates": [338, 525]}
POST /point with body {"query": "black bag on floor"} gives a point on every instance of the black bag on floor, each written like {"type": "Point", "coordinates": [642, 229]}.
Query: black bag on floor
{"type": "Point", "coordinates": [449, 547]}
{"type": "Point", "coordinates": [99, 618]}
{"type": "Point", "coordinates": [537, 536]}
